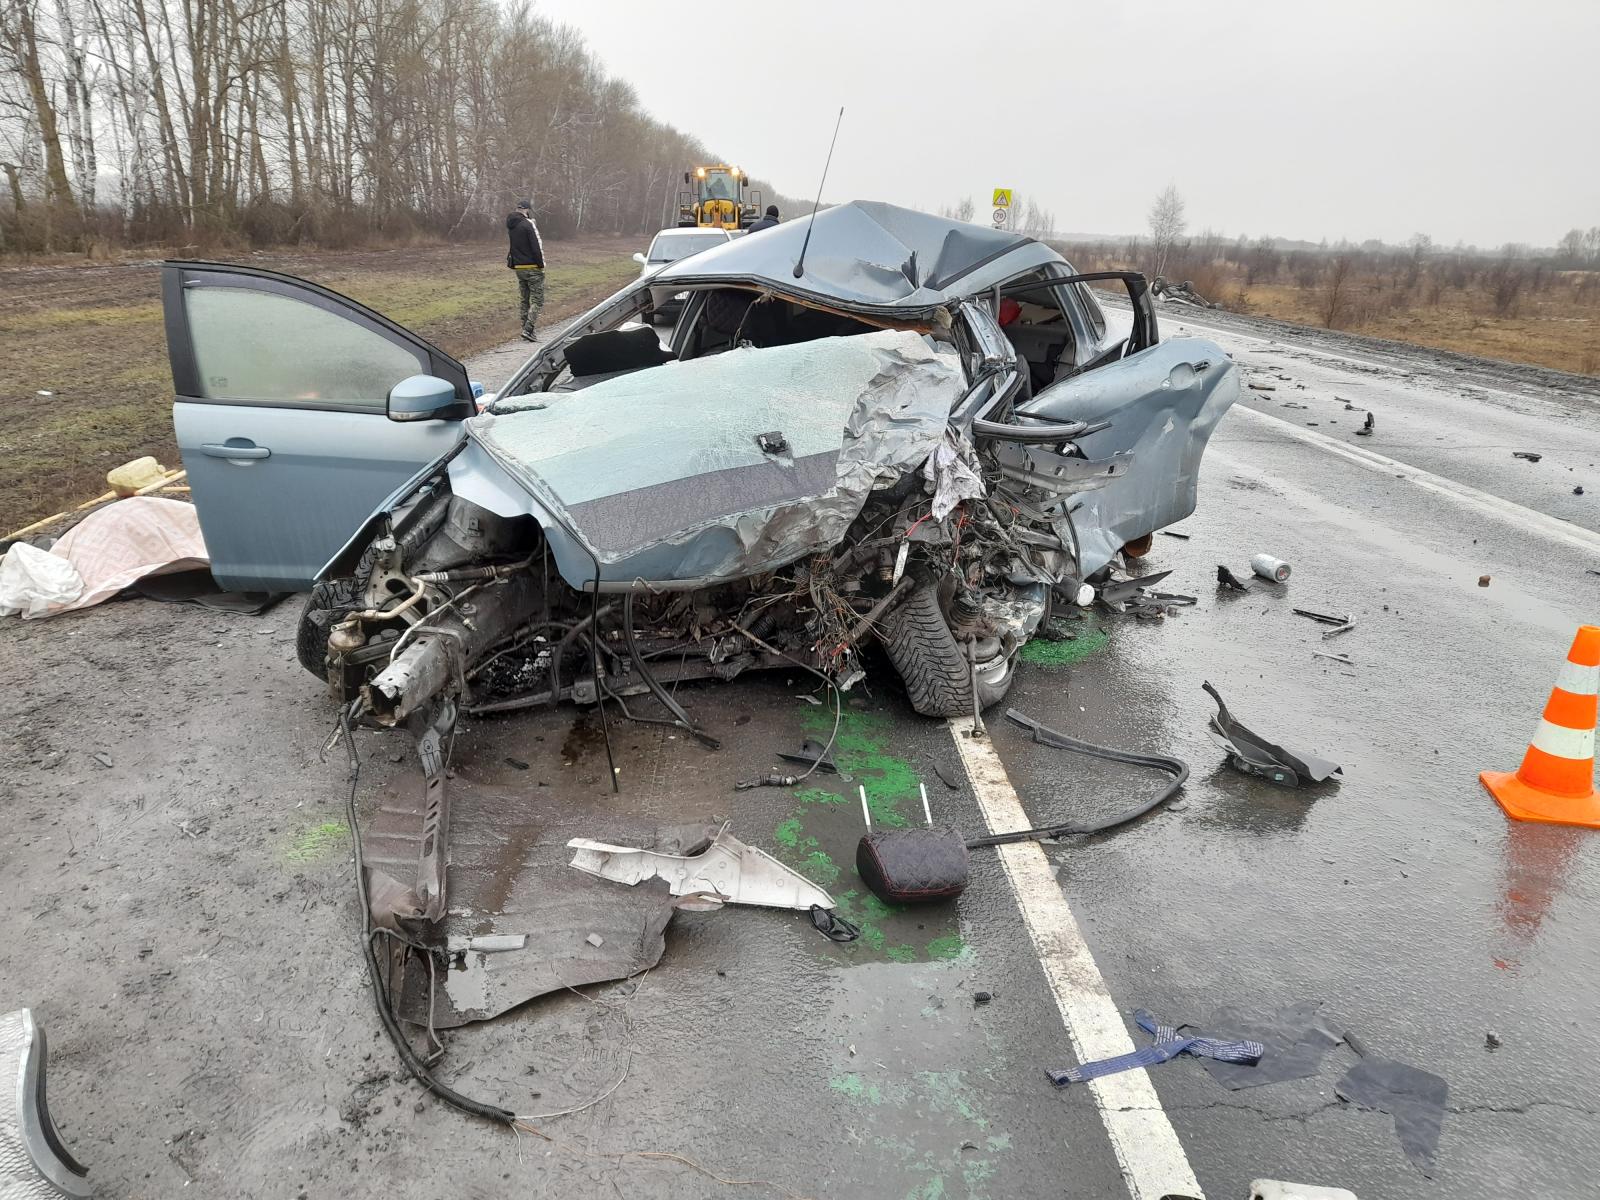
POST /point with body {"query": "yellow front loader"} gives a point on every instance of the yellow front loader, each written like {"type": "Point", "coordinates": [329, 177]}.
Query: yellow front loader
{"type": "Point", "coordinates": [718, 197]}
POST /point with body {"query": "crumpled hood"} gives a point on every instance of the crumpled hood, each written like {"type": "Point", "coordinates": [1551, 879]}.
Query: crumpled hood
{"type": "Point", "coordinates": [661, 474]}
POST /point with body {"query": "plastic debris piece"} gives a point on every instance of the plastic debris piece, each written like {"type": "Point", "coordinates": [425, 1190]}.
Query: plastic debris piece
{"type": "Point", "coordinates": [1491, 1040]}
{"type": "Point", "coordinates": [1227, 579]}
{"type": "Point", "coordinates": [832, 926]}
{"type": "Point", "coordinates": [1578, 491]}
{"type": "Point", "coordinates": [1278, 1189]}
{"type": "Point", "coordinates": [489, 943]}
{"type": "Point", "coordinates": [1413, 1097]}
{"type": "Point", "coordinates": [595, 940]}
{"type": "Point", "coordinates": [812, 753]}
{"type": "Point", "coordinates": [1365, 430]}
{"type": "Point", "coordinates": [981, 998]}
{"type": "Point", "coordinates": [1252, 754]}
{"type": "Point", "coordinates": [1173, 533]}
{"type": "Point", "coordinates": [1126, 589]}
{"type": "Point", "coordinates": [1335, 632]}
{"type": "Point", "coordinates": [1527, 455]}
{"type": "Point", "coordinates": [1295, 1037]}
{"type": "Point", "coordinates": [33, 1160]}
{"type": "Point", "coordinates": [728, 868]}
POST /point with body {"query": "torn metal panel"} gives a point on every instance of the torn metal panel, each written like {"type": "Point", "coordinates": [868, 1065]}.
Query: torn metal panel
{"type": "Point", "coordinates": [508, 884]}
{"type": "Point", "coordinates": [727, 869]}
{"type": "Point", "coordinates": [1161, 406]}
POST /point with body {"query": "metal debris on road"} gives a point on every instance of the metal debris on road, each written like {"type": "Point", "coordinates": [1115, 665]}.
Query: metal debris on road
{"type": "Point", "coordinates": [1483, 580]}
{"type": "Point", "coordinates": [1527, 455]}
{"type": "Point", "coordinates": [1366, 429]}
{"type": "Point", "coordinates": [1491, 1040]}
{"type": "Point", "coordinates": [1173, 533]}
{"type": "Point", "coordinates": [1273, 570]}
{"type": "Point", "coordinates": [1261, 387]}
{"type": "Point", "coordinates": [1325, 618]}
{"type": "Point", "coordinates": [1167, 1046]}
{"type": "Point", "coordinates": [1345, 628]}
{"type": "Point", "coordinates": [1252, 754]}
{"type": "Point", "coordinates": [1338, 658]}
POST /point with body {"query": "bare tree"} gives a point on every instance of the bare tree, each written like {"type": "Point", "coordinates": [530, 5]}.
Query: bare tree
{"type": "Point", "coordinates": [966, 210]}
{"type": "Point", "coordinates": [1334, 305]}
{"type": "Point", "coordinates": [1167, 224]}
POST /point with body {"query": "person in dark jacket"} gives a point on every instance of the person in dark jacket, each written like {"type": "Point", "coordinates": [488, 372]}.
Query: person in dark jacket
{"type": "Point", "coordinates": [526, 258]}
{"type": "Point", "coordinates": [766, 222]}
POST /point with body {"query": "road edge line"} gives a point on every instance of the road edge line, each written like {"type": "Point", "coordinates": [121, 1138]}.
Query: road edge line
{"type": "Point", "coordinates": [1146, 1146]}
{"type": "Point", "coordinates": [1528, 519]}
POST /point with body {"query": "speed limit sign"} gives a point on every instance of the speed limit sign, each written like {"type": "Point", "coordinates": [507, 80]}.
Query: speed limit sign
{"type": "Point", "coordinates": [999, 218]}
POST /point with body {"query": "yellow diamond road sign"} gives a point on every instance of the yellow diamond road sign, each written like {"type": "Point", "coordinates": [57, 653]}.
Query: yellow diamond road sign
{"type": "Point", "coordinates": [1002, 198]}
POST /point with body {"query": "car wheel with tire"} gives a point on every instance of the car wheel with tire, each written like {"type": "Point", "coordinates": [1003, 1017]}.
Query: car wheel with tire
{"type": "Point", "coordinates": [933, 665]}
{"type": "Point", "coordinates": [330, 602]}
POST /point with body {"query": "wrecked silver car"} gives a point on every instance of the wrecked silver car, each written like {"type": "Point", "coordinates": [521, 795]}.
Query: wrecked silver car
{"type": "Point", "coordinates": [873, 430]}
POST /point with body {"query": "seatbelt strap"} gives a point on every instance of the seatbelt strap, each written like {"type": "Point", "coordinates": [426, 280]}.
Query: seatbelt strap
{"type": "Point", "coordinates": [1167, 1045]}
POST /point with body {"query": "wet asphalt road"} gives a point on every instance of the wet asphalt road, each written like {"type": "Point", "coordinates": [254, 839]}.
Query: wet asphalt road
{"type": "Point", "coordinates": [1399, 897]}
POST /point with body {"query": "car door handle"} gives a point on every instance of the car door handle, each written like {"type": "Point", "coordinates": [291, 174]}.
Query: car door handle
{"type": "Point", "coordinates": [216, 450]}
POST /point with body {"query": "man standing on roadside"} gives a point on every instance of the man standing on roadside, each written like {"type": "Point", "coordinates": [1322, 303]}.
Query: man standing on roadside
{"type": "Point", "coordinates": [767, 222]}
{"type": "Point", "coordinates": [526, 258]}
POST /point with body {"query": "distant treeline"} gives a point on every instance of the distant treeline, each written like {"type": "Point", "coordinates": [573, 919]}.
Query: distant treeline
{"type": "Point", "coordinates": [328, 122]}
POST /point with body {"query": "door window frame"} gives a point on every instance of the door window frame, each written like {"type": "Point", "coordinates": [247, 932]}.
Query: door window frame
{"type": "Point", "coordinates": [178, 276]}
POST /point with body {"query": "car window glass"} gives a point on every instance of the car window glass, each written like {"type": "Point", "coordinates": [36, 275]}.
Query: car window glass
{"type": "Point", "coordinates": [674, 248]}
{"type": "Point", "coordinates": [1091, 309]}
{"type": "Point", "coordinates": [251, 345]}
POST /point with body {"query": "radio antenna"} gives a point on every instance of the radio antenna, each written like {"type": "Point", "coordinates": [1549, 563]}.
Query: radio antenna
{"type": "Point", "coordinates": [800, 266]}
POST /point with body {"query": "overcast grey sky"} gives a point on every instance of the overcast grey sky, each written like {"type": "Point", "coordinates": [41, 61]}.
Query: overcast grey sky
{"type": "Point", "coordinates": [1466, 120]}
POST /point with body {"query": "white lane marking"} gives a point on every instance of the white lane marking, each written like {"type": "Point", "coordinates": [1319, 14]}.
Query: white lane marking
{"type": "Point", "coordinates": [1147, 1148]}
{"type": "Point", "coordinates": [1525, 519]}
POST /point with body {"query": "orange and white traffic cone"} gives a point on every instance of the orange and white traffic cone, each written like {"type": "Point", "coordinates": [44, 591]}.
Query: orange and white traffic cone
{"type": "Point", "coordinates": [1555, 783]}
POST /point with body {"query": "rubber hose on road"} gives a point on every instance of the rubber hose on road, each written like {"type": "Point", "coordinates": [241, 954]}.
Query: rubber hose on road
{"type": "Point", "coordinates": [1176, 767]}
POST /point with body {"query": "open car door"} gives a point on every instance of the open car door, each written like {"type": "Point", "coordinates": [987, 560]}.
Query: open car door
{"type": "Point", "coordinates": [283, 415]}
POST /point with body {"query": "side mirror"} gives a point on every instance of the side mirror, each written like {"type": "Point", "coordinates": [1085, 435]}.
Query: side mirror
{"type": "Point", "coordinates": [426, 398]}
{"type": "Point", "coordinates": [638, 257]}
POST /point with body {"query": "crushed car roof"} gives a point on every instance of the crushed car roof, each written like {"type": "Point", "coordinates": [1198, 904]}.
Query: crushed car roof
{"type": "Point", "coordinates": [870, 254]}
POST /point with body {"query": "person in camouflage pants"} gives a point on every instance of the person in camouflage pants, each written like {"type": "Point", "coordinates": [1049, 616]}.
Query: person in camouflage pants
{"type": "Point", "coordinates": [526, 258]}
